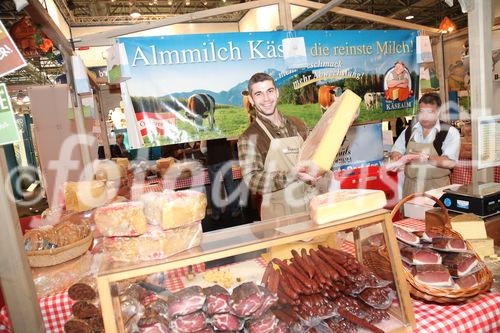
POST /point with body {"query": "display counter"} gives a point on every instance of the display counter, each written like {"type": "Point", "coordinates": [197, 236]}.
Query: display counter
{"type": "Point", "coordinates": [246, 240]}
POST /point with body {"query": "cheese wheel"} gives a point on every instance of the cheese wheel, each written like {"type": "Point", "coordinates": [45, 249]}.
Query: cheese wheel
{"type": "Point", "coordinates": [343, 204]}
{"type": "Point", "coordinates": [323, 144]}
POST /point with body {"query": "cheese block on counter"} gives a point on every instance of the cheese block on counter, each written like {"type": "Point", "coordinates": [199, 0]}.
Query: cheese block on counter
{"type": "Point", "coordinates": [154, 244]}
{"type": "Point", "coordinates": [174, 209]}
{"type": "Point", "coordinates": [342, 204]}
{"type": "Point", "coordinates": [123, 164]}
{"type": "Point", "coordinates": [121, 219]}
{"type": "Point", "coordinates": [323, 144]}
{"type": "Point", "coordinates": [483, 247]}
{"type": "Point", "coordinates": [470, 226]}
{"type": "Point", "coordinates": [163, 164]}
{"type": "Point", "coordinates": [85, 195]}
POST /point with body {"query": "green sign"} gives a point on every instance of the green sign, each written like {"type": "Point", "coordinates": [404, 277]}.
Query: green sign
{"type": "Point", "coordinates": [8, 127]}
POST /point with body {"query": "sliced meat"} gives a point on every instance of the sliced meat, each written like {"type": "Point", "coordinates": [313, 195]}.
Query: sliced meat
{"type": "Point", "coordinates": [153, 327]}
{"type": "Point", "coordinates": [460, 264]}
{"type": "Point", "coordinates": [268, 301]}
{"type": "Point", "coordinates": [227, 322]}
{"type": "Point", "coordinates": [449, 244]}
{"type": "Point", "coordinates": [246, 299]}
{"type": "Point", "coordinates": [428, 236]}
{"type": "Point", "coordinates": [415, 256]}
{"type": "Point", "coordinates": [433, 275]}
{"type": "Point", "coordinates": [185, 301]}
{"type": "Point", "coordinates": [189, 323]}
{"type": "Point", "coordinates": [217, 300]}
{"type": "Point", "coordinates": [379, 298]}
{"type": "Point", "coordinates": [281, 328]}
{"type": "Point", "coordinates": [469, 281]}
{"type": "Point", "coordinates": [265, 324]}
{"type": "Point", "coordinates": [406, 236]}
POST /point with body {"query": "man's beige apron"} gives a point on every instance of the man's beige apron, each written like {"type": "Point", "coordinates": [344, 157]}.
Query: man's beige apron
{"type": "Point", "coordinates": [415, 174]}
{"type": "Point", "coordinates": [283, 156]}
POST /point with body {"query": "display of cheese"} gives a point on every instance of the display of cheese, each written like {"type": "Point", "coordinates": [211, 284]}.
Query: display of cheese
{"type": "Point", "coordinates": [323, 143]}
{"type": "Point", "coordinates": [121, 219]}
{"type": "Point", "coordinates": [107, 170]}
{"type": "Point", "coordinates": [154, 244]}
{"type": "Point", "coordinates": [174, 209]}
{"type": "Point", "coordinates": [342, 204]}
{"type": "Point", "coordinates": [470, 226]}
{"type": "Point", "coordinates": [163, 164]}
{"type": "Point", "coordinates": [85, 195]}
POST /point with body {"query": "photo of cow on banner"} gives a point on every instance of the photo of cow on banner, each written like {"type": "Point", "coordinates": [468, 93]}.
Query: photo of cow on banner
{"type": "Point", "coordinates": [193, 87]}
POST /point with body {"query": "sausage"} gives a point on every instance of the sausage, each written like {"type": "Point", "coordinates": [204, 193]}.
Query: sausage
{"type": "Point", "coordinates": [273, 281]}
{"type": "Point", "coordinates": [285, 286]}
{"type": "Point", "coordinates": [341, 270]}
{"type": "Point", "coordinates": [322, 267]}
{"type": "Point", "coordinates": [267, 272]}
{"type": "Point", "coordinates": [337, 255]}
{"type": "Point", "coordinates": [283, 316]}
{"type": "Point", "coordinates": [319, 277]}
{"type": "Point", "coordinates": [304, 266]}
{"type": "Point", "coordinates": [358, 321]}
{"type": "Point", "coordinates": [292, 271]}
{"type": "Point", "coordinates": [297, 286]}
{"type": "Point", "coordinates": [285, 299]}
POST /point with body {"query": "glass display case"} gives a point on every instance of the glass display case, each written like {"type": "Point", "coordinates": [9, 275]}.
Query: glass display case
{"type": "Point", "coordinates": [248, 242]}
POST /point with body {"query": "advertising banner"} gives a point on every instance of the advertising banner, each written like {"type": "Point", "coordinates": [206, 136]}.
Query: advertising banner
{"type": "Point", "coordinates": [8, 126]}
{"type": "Point", "coordinates": [193, 87]}
{"type": "Point", "coordinates": [10, 57]}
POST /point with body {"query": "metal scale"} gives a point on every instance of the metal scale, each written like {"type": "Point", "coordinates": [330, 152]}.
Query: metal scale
{"type": "Point", "coordinates": [483, 201]}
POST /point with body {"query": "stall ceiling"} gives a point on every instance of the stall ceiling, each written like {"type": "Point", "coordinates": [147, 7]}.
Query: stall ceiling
{"type": "Point", "coordinates": [117, 12]}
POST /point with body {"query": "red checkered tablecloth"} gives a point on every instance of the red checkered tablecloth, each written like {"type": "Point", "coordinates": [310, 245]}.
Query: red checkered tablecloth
{"type": "Point", "coordinates": [462, 173]}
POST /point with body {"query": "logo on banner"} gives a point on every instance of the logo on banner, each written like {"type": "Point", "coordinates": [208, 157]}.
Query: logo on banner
{"type": "Point", "coordinates": [398, 91]}
{"type": "Point", "coordinates": [10, 57]}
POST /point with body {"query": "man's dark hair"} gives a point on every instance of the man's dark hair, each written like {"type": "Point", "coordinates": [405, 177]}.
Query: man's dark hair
{"type": "Point", "coordinates": [259, 77]}
{"type": "Point", "coordinates": [430, 98]}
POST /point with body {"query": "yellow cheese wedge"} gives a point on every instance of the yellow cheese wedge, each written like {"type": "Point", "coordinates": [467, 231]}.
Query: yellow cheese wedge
{"type": "Point", "coordinates": [323, 144]}
{"type": "Point", "coordinates": [483, 247]}
{"type": "Point", "coordinates": [343, 204]}
{"type": "Point", "coordinates": [470, 226]}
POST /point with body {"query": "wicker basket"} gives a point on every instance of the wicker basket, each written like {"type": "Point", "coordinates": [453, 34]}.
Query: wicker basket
{"type": "Point", "coordinates": [377, 258]}
{"type": "Point", "coordinates": [44, 258]}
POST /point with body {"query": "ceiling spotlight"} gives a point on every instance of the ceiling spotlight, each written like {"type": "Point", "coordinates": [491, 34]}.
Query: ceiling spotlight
{"type": "Point", "coordinates": [409, 17]}
{"type": "Point", "coordinates": [188, 2]}
{"type": "Point", "coordinates": [204, 2]}
{"type": "Point", "coordinates": [224, 1]}
{"type": "Point", "coordinates": [134, 13]}
{"type": "Point", "coordinates": [169, 2]}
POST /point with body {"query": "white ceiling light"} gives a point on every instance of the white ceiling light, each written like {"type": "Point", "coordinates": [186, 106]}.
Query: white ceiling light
{"type": "Point", "coordinates": [188, 2]}
{"type": "Point", "coordinates": [169, 2]}
{"type": "Point", "coordinates": [409, 17]}
{"type": "Point", "coordinates": [134, 12]}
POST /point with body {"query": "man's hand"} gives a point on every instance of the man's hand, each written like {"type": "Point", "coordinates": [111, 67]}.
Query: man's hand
{"type": "Point", "coordinates": [395, 156]}
{"type": "Point", "coordinates": [308, 172]}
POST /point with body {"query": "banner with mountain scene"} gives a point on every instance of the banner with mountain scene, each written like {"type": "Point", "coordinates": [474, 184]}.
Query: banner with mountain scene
{"type": "Point", "coordinates": [191, 87]}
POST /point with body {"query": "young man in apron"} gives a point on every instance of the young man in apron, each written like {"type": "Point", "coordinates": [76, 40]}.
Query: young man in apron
{"type": "Point", "coordinates": [268, 153]}
{"type": "Point", "coordinates": [436, 143]}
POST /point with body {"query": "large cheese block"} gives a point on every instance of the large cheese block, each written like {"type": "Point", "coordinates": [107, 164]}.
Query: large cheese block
{"type": "Point", "coordinates": [323, 143]}
{"type": "Point", "coordinates": [470, 226]}
{"type": "Point", "coordinates": [121, 219]}
{"type": "Point", "coordinates": [483, 247]}
{"type": "Point", "coordinates": [86, 195]}
{"type": "Point", "coordinates": [174, 209]}
{"type": "Point", "coordinates": [342, 204]}
{"type": "Point", "coordinates": [154, 244]}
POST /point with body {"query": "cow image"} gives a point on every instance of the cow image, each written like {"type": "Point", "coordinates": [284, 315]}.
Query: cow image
{"type": "Point", "coordinates": [326, 96]}
{"type": "Point", "coordinates": [250, 110]}
{"type": "Point", "coordinates": [372, 100]}
{"type": "Point", "coordinates": [201, 106]}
